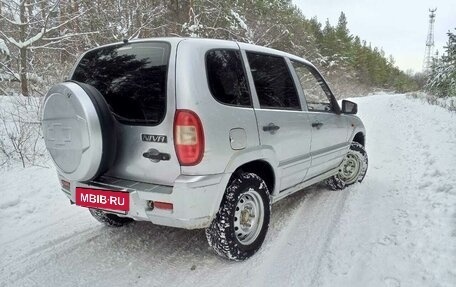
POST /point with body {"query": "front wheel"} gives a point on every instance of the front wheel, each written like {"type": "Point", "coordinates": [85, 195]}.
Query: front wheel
{"type": "Point", "coordinates": [353, 169]}
{"type": "Point", "coordinates": [240, 226]}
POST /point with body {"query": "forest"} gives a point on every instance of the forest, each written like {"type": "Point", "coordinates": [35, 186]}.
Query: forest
{"type": "Point", "coordinates": [41, 39]}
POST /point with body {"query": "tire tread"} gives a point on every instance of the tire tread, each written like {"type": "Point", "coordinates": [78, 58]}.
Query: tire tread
{"type": "Point", "coordinates": [220, 234]}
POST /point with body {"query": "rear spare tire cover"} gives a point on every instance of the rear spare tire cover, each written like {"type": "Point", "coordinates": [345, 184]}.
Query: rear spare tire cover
{"type": "Point", "coordinates": [79, 130]}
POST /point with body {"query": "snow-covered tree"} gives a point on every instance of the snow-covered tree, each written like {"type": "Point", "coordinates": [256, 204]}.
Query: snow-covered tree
{"type": "Point", "coordinates": [442, 79]}
{"type": "Point", "coordinates": [4, 62]}
{"type": "Point", "coordinates": [29, 26]}
{"type": "Point", "coordinates": [44, 37]}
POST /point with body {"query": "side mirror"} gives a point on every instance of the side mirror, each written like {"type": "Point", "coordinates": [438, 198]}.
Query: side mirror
{"type": "Point", "coordinates": [349, 107]}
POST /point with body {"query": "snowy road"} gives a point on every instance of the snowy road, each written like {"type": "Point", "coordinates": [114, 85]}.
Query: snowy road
{"type": "Point", "coordinates": [397, 228]}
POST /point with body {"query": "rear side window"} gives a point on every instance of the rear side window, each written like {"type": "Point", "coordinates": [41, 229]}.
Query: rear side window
{"type": "Point", "coordinates": [226, 77]}
{"type": "Point", "coordinates": [273, 82]}
{"type": "Point", "coordinates": [131, 77]}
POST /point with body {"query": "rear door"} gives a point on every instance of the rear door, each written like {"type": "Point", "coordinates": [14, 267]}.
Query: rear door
{"type": "Point", "coordinates": [329, 127]}
{"type": "Point", "coordinates": [137, 81]}
{"type": "Point", "coordinates": [282, 125]}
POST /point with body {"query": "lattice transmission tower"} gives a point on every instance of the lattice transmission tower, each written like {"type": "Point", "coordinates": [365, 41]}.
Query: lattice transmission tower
{"type": "Point", "coordinates": [429, 42]}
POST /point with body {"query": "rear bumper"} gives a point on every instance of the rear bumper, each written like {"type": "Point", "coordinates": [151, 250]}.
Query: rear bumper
{"type": "Point", "coordinates": [195, 199]}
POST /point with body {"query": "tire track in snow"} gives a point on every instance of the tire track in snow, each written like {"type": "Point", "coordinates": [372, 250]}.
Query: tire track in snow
{"type": "Point", "coordinates": [300, 230]}
{"type": "Point", "coordinates": [303, 241]}
{"type": "Point", "coordinates": [102, 255]}
{"type": "Point", "coordinates": [304, 229]}
{"type": "Point", "coordinates": [406, 190]}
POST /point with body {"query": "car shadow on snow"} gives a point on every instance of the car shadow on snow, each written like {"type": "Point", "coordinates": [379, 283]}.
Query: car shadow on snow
{"type": "Point", "coordinates": [161, 243]}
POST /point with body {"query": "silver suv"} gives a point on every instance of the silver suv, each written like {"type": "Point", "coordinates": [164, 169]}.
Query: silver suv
{"type": "Point", "coordinates": [198, 133]}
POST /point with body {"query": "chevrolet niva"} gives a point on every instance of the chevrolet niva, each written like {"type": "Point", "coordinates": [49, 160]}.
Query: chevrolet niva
{"type": "Point", "coordinates": [198, 133]}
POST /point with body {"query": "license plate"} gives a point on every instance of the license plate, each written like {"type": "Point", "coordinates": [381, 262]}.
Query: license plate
{"type": "Point", "coordinates": [102, 199]}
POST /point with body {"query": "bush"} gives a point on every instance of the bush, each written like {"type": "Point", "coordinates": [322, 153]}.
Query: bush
{"type": "Point", "coordinates": [20, 133]}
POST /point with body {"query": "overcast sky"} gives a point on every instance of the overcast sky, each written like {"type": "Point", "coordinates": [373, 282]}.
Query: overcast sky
{"type": "Point", "coordinates": [398, 26]}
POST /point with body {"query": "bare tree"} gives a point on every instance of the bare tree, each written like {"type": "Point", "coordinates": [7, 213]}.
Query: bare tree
{"type": "Point", "coordinates": [20, 131]}
{"type": "Point", "coordinates": [33, 25]}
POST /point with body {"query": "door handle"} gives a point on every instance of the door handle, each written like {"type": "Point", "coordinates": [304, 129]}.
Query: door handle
{"type": "Point", "coordinates": [317, 125]}
{"type": "Point", "coordinates": [156, 156]}
{"type": "Point", "coordinates": [272, 128]}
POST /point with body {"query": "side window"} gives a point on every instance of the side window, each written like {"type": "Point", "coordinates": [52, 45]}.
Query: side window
{"type": "Point", "coordinates": [226, 77]}
{"type": "Point", "coordinates": [315, 89]}
{"type": "Point", "coordinates": [273, 82]}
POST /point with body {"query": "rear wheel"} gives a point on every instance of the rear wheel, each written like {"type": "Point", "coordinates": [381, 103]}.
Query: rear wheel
{"type": "Point", "coordinates": [109, 219]}
{"type": "Point", "coordinates": [353, 169]}
{"type": "Point", "coordinates": [240, 226]}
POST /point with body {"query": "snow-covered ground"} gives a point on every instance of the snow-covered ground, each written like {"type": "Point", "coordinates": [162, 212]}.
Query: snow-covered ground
{"type": "Point", "coordinates": [397, 228]}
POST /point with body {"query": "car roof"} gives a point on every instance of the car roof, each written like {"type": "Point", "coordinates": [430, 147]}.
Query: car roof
{"type": "Point", "coordinates": [243, 46]}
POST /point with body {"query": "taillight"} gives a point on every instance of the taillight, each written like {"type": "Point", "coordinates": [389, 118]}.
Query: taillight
{"type": "Point", "coordinates": [188, 137]}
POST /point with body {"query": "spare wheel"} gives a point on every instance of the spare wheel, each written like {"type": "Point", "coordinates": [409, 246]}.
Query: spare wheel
{"type": "Point", "coordinates": [79, 130]}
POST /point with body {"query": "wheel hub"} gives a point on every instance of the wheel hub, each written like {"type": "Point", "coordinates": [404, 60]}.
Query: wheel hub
{"type": "Point", "coordinates": [350, 168]}
{"type": "Point", "coordinates": [248, 217]}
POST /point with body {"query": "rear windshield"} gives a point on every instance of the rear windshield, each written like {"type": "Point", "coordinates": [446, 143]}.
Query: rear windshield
{"type": "Point", "coordinates": [132, 79]}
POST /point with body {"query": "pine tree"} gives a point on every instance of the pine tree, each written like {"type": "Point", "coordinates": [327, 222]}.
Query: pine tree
{"type": "Point", "coordinates": [442, 79]}
{"type": "Point", "coordinates": [344, 39]}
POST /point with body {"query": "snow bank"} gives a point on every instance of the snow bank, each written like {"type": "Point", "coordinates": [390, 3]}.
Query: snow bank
{"type": "Point", "coordinates": [448, 103]}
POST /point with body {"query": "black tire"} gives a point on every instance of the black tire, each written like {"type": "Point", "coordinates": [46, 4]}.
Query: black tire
{"type": "Point", "coordinates": [108, 127]}
{"type": "Point", "coordinates": [335, 183]}
{"type": "Point", "coordinates": [338, 182]}
{"type": "Point", "coordinates": [221, 234]}
{"type": "Point", "coordinates": [109, 219]}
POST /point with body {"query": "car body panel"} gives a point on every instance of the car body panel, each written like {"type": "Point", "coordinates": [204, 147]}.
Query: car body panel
{"type": "Point", "coordinates": [299, 154]}
{"type": "Point", "coordinates": [130, 162]}
{"type": "Point", "coordinates": [218, 119]}
{"type": "Point", "coordinates": [329, 142]}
